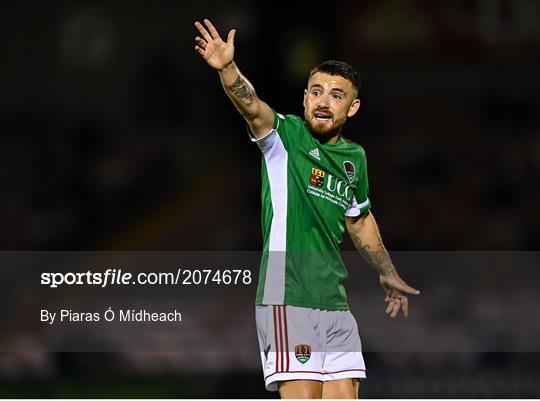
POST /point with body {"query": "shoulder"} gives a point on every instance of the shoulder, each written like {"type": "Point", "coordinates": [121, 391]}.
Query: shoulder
{"type": "Point", "coordinates": [355, 147]}
{"type": "Point", "coordinates": [290, 123]}
{"type": "Point", "coordinates": [290, 119]}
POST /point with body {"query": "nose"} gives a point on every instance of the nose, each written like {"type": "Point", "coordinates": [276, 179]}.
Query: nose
{"type": "Point", "coordinates": [323, 101]}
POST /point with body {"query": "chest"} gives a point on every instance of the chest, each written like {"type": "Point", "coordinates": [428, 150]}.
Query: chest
{"type": "Point", "coordinates": [326, 175]}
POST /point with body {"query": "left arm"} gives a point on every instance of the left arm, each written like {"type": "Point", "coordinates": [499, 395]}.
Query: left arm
{"type": "Point", "coordinates": [365, 235]}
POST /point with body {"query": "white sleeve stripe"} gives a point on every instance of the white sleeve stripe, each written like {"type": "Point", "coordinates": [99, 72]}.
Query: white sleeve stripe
{"type": "Point", "coordinates": [363, 204]}
{"type": "Point", "coordinates": [253, 139]}
{"type": "Point", "coordinates": [355, 209]}
{"type": "Point", "coordinates": [262, 138]}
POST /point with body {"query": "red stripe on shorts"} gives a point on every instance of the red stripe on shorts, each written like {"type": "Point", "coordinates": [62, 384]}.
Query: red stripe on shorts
{"type": "Point", "coordinates": [281, 340]}
{"type": "Point", "coordinates": [275, 338]}
{"type": "Point", "coordinates": [286, 336]}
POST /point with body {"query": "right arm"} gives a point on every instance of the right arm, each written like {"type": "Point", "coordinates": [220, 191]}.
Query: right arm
{"type": "Point", "coordinates": [366, 237]}
{"type": "Point", "coordinates": [219, 55]}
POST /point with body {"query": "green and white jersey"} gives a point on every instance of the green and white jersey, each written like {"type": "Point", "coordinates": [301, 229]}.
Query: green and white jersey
{"type": "Point", "coordinates": [307, 190]}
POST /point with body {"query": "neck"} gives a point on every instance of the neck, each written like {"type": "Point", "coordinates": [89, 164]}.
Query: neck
{"type": "Point", "coordinates": [332, 141]}
{"type": "Point", "coordinates": [331, 137]}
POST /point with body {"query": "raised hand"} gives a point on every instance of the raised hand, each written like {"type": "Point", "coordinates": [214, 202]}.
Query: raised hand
{"type": "Point", "coordinates": [217, 53]}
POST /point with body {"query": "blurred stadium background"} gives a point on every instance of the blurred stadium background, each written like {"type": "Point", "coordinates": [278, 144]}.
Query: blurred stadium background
{"type": "Point", "coordinates": [116, 136]}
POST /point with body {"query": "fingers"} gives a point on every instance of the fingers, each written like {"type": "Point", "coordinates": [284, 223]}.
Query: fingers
{"type": "Point", "coordinates": [393, 307]}
{"type": "Point", "coordinates": [201, 47]}
{"type": "Point", "coordinates": [230, 37]}
{"type": "Point", "coordinates": [199, 50]}
{"type": "Point", "coordinates": [410, 290]}
{"type": "Point", "coordinates": [212, 29]}
{"type": "Point", "coordinates": [202, 43]}
{"type": "Point", "coordinates": [395, 310]}
{"type": "Point", "coordinates": [390, 306]}
{"type": "Point", "coordinates": [405, 306]}
{"type": "Point", "coordinates": [203, 31]}
{"type": "Point", "coordinates": [396, 302]}
{"type": "Point", "coordinates": [400, 285]}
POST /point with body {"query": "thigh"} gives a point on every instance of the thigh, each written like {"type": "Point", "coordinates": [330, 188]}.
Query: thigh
{"type": "Point", "coordinates": [342, 388]}
{"type": "Point", "coordinates": [300, 389]}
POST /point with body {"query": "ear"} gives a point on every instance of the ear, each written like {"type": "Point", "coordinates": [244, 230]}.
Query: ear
{"type": "Point", "coordinates": [355, 106]}
{"type": "Point", "coordinates": [305, 96]}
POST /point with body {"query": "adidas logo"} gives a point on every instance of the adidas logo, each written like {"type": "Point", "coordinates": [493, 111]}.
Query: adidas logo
{"type": "Point", "coordinates": [315, 153]}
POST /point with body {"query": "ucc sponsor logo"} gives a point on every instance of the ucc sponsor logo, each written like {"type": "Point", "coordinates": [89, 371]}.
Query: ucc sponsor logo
{"type": "Point", "coordinates": [319, 178]}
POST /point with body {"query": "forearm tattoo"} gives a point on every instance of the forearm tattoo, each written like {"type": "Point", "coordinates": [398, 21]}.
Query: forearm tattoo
{"type": "Point", "coordinates": [241, 90]}
{"type": "Point", "coordinates": [379, 259]}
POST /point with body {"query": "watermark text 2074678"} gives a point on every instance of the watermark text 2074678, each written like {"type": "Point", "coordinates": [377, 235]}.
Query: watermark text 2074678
{"type": "Point", "coordinates": [112, 277]}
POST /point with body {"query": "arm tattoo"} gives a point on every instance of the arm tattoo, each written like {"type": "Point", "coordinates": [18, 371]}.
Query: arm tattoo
{"type": "Point", "coordinates": [241, 90]}
{"type": "Point", "coordinates": [379, 259]}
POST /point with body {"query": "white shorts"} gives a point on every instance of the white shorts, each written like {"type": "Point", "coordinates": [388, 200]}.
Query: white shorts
{"type": "Point", "coordinates": [310, 344]}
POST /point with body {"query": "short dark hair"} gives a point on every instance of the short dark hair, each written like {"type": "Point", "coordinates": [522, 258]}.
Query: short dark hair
{"type": "Point", "coordinates": [339, 68]}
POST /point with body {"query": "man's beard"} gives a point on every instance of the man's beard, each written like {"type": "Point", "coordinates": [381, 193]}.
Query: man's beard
{"type": "Point", "coordinates": [321, 132]}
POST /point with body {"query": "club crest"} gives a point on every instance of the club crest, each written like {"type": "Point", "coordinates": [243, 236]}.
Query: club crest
{"type": "Point", "coordinates": [349, 170]}
{"type": "Point", "coordinates": [302, 352]}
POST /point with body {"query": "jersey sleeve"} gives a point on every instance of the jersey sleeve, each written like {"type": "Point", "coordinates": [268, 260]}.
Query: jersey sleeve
{"type": "Point", "coordinates": [282, 133]}
{"type": "Point", "coordinates": [360, 201]}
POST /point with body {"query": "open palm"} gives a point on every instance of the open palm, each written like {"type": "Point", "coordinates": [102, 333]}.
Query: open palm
{"type": "Point", "coordinates": [212, 48]}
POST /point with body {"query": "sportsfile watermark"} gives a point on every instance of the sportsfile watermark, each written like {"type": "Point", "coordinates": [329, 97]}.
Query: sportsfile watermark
{"type": "Point", "coordinates": [203, 303]}
{"type": "Point", "coordinates": [113, 277]}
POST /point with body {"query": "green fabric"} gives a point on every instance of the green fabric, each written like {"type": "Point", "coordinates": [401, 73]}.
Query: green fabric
{"type": "Point", "coordinates": [317, 193]}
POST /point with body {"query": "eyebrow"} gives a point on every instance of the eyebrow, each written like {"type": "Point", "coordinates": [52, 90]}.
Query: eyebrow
{"type": "Point", "coordinates": [319, 86]}
{"type": "Point", "coordinates": [338, 90]}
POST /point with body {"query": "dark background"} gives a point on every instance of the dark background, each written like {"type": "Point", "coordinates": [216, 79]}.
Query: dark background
{"type": "Point", "coordinates": [117, 136]}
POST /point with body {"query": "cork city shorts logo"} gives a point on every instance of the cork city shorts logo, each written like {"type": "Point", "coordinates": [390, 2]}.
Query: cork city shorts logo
{"type": "Point", "coordinates": [302, 352]}
{"type": "Point", "coordinates": [349, 169]}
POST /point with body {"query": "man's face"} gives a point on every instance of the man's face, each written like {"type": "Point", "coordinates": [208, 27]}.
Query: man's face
{"type": "Point", "coordinates": [328, 101]}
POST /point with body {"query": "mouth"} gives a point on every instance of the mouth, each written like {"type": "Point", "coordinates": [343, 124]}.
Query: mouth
{"type": "Point", "coordinates": [322, 117]}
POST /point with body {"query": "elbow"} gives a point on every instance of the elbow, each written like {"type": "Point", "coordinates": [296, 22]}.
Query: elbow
{"type": "Point", "coordinates": [352, 225]}
{"type": "Point", "coordinates": [249, 115]}
{"type": "Point", "coordinates": [252, 112]}
{"type": "Point", "coordinates": [356, 224]}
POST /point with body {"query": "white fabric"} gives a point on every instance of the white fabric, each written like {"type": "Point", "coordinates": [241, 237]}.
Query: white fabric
{"type": "Point", "coordinates": [275, 157]}
{"type": "Point", "coordinates": [355, 209]}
